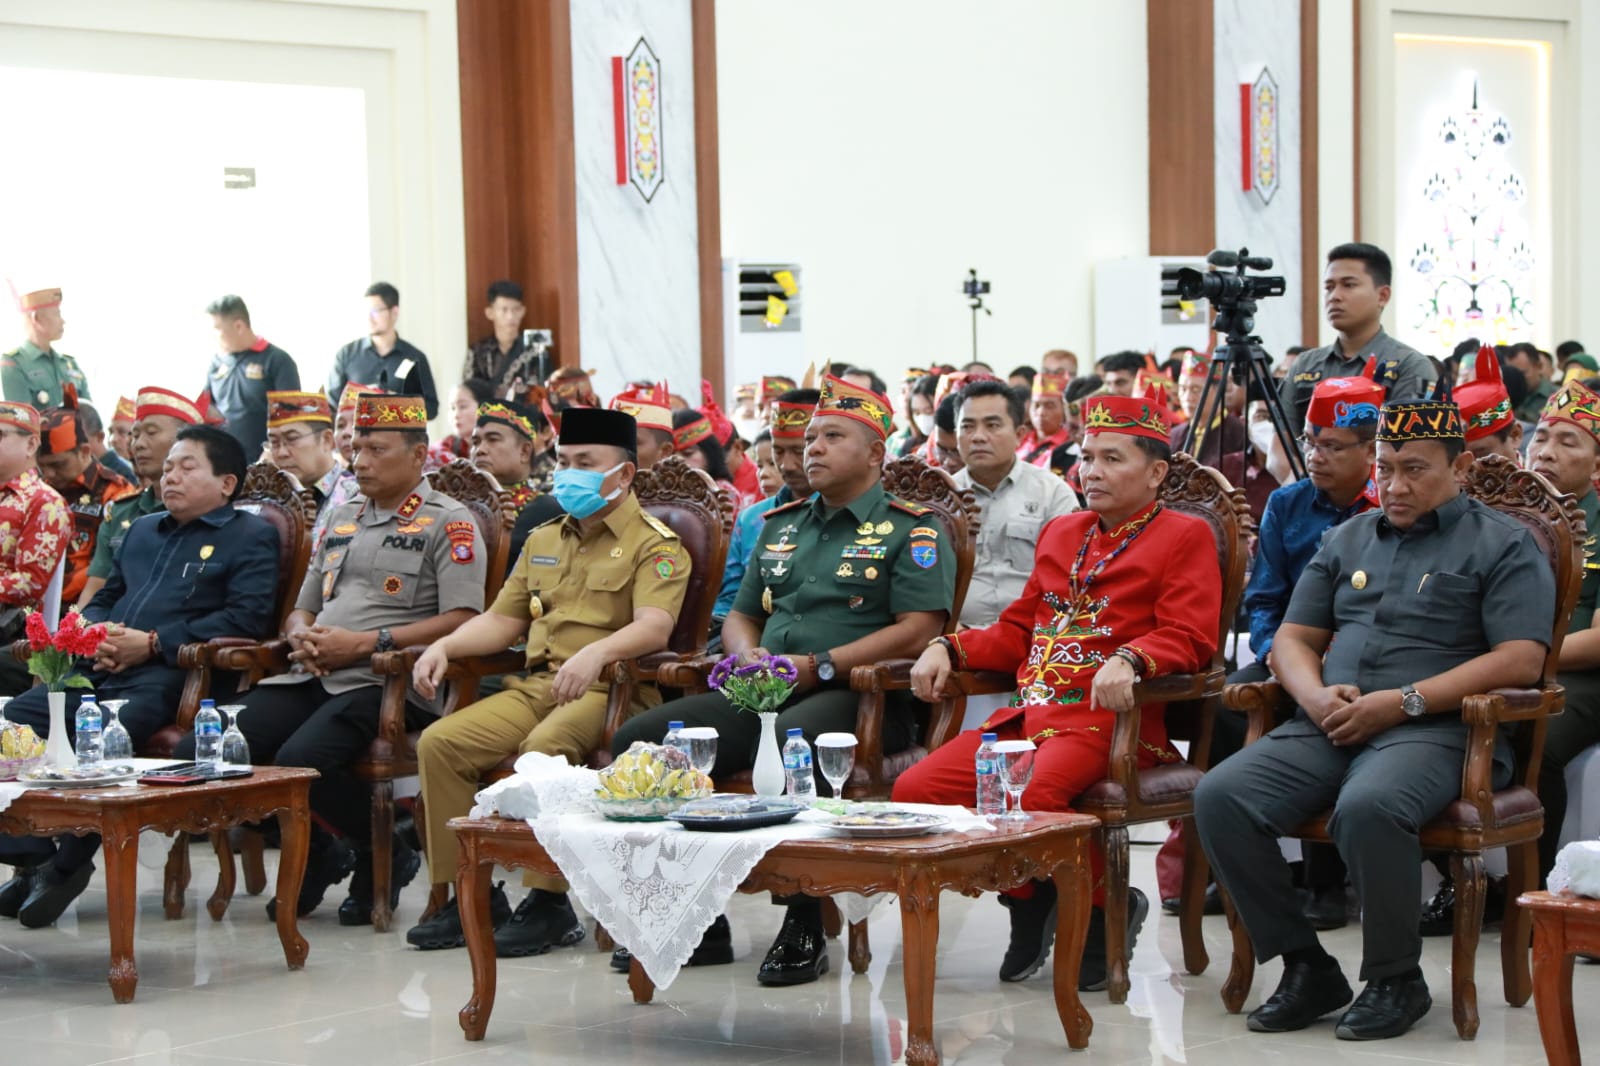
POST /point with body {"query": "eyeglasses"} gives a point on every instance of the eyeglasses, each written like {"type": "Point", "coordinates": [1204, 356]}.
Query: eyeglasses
{"type": "Point", "coordinates": [1327, 448]}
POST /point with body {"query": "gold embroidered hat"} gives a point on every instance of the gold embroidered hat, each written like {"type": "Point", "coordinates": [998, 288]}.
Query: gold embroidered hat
{"type": "Point", "coordinates": [650, 405]}
{"type": "Point", "coordinates": [511, 415]}
{"type": "Point", "coordinates": [19, 415]}
{"type": "Point", "coordinates": [288, 406]}
{"type": "Point", "coordinates": [839, 397]}
{"type": "Point", "coordinates": [1132, 415]}
{"type": "Point", "coordinates": [391, 412]}
{"type": "Point", "coordinates": [154, 400]}
{"type": "Point", "coordinates": [1577, 404]}
{"type": "Point", "coordinates": [126, 411]}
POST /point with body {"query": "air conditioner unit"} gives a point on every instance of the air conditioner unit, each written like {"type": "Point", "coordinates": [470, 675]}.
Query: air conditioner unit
{"type": "Point", "coordinates": [753, 346]}
{"type": "Point", "coordinates": [1131, 312]}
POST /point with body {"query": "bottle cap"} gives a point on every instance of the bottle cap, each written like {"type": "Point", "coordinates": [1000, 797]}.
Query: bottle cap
{"type": "Point", "coordinates": [796, 732]}
{"type": "Point", "coordinates": [208, 703]}
{"type": "Point", "coordinates": [990, 736]}
{"type": "Point", "coordinates": [87, 697]}
{"type": "Point", "coordinates": [674, 725]}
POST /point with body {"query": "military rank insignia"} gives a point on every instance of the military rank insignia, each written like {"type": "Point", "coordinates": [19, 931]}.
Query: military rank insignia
{"type": "Point", "coordinates": [461, 536]}
{"type": "Point", "coordinates": [413, 504]}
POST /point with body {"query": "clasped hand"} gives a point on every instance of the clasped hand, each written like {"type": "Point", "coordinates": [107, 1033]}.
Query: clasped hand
{"type": "Point", "coordinates": [323, 649]}
{"type": "Point", "coordinates": [122, 648]}
{"type": "Point", "coordinates": [1349, 718]}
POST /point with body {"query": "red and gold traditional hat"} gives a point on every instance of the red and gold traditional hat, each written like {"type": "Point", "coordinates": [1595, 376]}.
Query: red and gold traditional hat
{"type": "Point", "coordinates": [1435, 418]}
{"type": "Point", "coordinates": [773, 387]}
{"type": "Point", "coordinates": [391, 412]}
{"type": "Point", "coordinates": [288, 406]}
{"type": "Point", "coordinates": [154, 400]}
{"type": "Point", "coordinates": [721, 424]}
{"type": "Point", "coordinates": [1345, 403]}
{"type": "Point", "coordinates": [650, 406]}
{"type": "Point", "coordinates": [570, 386]}
{"type": "Point", "coordinates": [789, 420]}
{"type": "Point", "coordinates": [1195, 364]}
{"type": "Point", "coordinates": [1050, 385]}
{"type": "Point", "coordinates": [125, 412]}
{"type": "Point", "coordinates": [839, 397]}
{"type": "Point", "coordinates": [511, 415]}
{"type": "Point", "coordinates": [1485, 404]}
{"type": "Point", "coordinates": [692, 433]}
{"type": "Point", "coordinates": [1134, 416]}
{"type": "Point", "coordinates": [19, 415]}
{"type": "Point", "coordinates": [745, 393]}
{"type": "Point", "coordinates": [353, 391]}
{"type": "Point", "coordinates": [1157, 389]}
{"type": "Point", "coordinates": [1575, 403]}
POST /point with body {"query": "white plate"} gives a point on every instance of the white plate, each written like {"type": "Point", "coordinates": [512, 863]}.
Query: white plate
{"type": "Point", "coordinates": [121, 774]}
{"type": "Point", "coordinates": [889, 823]}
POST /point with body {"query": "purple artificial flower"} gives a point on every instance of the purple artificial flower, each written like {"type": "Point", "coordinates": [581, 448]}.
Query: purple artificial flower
{"type": "Point", "coordinates": [721, 672]}
{"type": "Point", "coordinates": [754, 669]}
{"type": "Point", "coordinates": [783, 668]}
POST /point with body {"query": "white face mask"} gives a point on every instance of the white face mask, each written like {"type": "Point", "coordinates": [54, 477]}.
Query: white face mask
{"type": "Point", "coordinates": [1262, 434]}
{"type": "Point", "coordinates": [924, 424]}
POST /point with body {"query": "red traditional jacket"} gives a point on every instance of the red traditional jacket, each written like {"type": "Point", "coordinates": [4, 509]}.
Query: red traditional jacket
{"type": "Point", "coordinates": [1035, 450]}
{"type": "Point", "coordinates": [34, 529]}
{"type": "Point", "coordinates": [1159, 595]}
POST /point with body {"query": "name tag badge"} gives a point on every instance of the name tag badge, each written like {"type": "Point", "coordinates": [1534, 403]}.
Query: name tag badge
{"type": "Point", "coordinates": [403, 371]}
{"type": "Point", "coordinates": [254, 371]}
{"type": "Point", "coordinates": [542, 560]}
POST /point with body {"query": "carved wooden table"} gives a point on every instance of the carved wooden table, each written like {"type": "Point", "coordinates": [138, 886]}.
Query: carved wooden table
{"type": "Point", "coordinates": [1563, 926]}
{"type": "Point", "coordinates": [917, 869]}
{"type": "Point", "coordinates": [120, 814]}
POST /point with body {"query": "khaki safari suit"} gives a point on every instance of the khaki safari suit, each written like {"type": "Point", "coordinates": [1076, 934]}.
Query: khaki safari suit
{"type": "Point", "coordinates": [574, 587]}
{"type": "Point", "coordinates": [822, 579]}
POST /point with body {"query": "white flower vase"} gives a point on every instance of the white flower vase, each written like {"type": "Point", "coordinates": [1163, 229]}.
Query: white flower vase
{"type": "Point", "coordinates": [58, 753]}
{"type": "Point", "coordinates": [767, 776]}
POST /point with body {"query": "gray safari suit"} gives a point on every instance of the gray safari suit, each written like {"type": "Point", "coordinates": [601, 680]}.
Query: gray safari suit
{"type": "Point", "coordinates": [1402, 607]}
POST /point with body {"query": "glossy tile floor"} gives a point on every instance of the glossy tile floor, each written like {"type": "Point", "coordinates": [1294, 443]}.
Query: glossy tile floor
{"type": "Point", "coordinates": [213, 993]}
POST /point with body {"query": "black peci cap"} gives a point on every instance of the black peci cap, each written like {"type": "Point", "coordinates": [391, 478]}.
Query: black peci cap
{"type": "Point", "coordinates": [595, 425]}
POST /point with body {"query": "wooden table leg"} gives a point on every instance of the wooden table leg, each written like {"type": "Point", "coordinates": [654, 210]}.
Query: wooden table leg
{"type": "Point", "coordinates": [472, 900]}
{"type": "Point", "coordinates": [217, 905]}
{"type": "Point", "coordinates": [1074, 889]}
{"type": "Point", "coordinates": [294, 828]}
{"type": "Point", "coordinates": [175, 880]}
{"type": "Point", "coordinates": [919, 929]}
{"type": "Point", "coordinates": [639, 983]}
{"type": "Point", "coordinates": [1552, 990]}
{"type": "Point", "coordinates": [860, 947]}
{"type": "Point", "coordinates": [120, 848]}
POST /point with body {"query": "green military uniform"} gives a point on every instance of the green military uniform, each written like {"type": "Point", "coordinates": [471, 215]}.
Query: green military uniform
{"type": "Point", "coordinates": [33, 376]}
{"type": "Point", "coordinates": [573, 586]}
{"type": "Point", "coordinates": [120, 515]}
{"type": "Point", "coordinates": [1578, 727]}
{"type": "Point", "coordinates": [1532, 405]}
{"type": "Point", "coordinates": [821, 579]}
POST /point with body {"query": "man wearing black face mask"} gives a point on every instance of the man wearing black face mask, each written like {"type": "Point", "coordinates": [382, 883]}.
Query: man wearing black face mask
{"type": "Point", "coordinates": [603, 582]}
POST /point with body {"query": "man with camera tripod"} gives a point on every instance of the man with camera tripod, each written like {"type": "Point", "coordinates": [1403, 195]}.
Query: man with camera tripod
{"type": "Point", "coordinates": [1355, 290]}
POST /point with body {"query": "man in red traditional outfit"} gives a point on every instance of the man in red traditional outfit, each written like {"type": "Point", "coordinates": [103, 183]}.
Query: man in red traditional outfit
{"type": "Point", "coordinates": [1048, 409]}
{"type": "Point", "coordinates": [1490, 425]}
{"type": "Point", "coordinates": [1121, 592]}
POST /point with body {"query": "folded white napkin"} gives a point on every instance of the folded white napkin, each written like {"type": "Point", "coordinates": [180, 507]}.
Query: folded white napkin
{"type": "Point", "coordinates": [1577, 869]}
{"type": "Point", "coordinates": [542, 784]}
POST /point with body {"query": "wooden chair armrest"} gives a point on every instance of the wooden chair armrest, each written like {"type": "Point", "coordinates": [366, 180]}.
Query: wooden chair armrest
{"type": "Point", "coordinates": [982, 682]}
{"type": "Point", "coordinates": [1513, 705]}
{"type": "Point", "coordinates": [1175, 687]}
{"type": "Point", "coordinates": [194, 656]}
{"type": "Point", "coordinates": [1260, 702]}
{"type": "Point", "coordinates": [691, 675]}
{"type": "Point", "coordinates": [888, 676]}
{"type": "Point", "coordinates": [270, 657]}
{"type": "Point", "coordinates": [20, 650]}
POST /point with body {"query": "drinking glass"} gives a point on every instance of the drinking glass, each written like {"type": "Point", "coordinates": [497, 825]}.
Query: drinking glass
{"type": "Point", "coordinates": [836, 757]}
{"type": "Point", "coordinates": [702, 746]}
{"type": "Point", "coordinates": [1016, 770]}
{"type": "Point", "coordinates": [3, 701]}
{"type": "Point", "coordinates": [115, 744]}
{"type": "Point", "coordinates": [235, 749]}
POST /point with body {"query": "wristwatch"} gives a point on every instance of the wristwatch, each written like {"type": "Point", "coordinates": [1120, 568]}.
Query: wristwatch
{"type": "Point", "coordinates": [385, 641]}
{"type": "Point", "coordinates": [824, 666]}
{"type": "Point", "coordinates": [1411, 702]}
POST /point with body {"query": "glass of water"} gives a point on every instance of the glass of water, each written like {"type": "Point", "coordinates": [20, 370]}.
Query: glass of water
{"type": "Point", "coordinates": [702, 746]}
{"type": "Point", "coordinates": [836, 757]}
{"type": "Point", "coordinates": [1016, 770]}
{"type": "Point", "coordinates": [116, 746]}
{"type": "Point", "coordinates": [235, 749]}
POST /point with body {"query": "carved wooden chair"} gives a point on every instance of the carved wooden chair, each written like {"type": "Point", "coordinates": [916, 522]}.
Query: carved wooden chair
{"type": "Point", "coordinates": [1482, 818]}
{"type": "Point", "coordinates": [874, 774]}
{"type": "Point", "coordinates": [393, 754]}
{"type": "Point", "coordinates": [1131, 796]}
{"type": "Point", "coordinates": [688, 501]}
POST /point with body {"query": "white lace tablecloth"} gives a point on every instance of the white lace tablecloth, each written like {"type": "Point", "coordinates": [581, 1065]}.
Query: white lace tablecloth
{"type": "Point", "coordinates": [657, 887]}
{"type": "Point", "coordinates": [9, 790]}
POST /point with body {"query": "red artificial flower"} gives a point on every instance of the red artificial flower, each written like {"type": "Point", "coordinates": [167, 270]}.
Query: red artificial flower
{"type": "Point", "coordinates": [38, 632]}
{"type": "Point", "coordinates": [87, 641]}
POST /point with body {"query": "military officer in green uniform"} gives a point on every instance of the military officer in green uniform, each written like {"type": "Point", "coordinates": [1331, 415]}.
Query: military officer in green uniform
{"type": "Point", "coordinates": [35, 372]}
{"type": "Point", "coordinates": [848, 578]}
{"type": "Point", "coordinates": [1566, 450]}
{"type": "Point", "coordinates": [158, 416]}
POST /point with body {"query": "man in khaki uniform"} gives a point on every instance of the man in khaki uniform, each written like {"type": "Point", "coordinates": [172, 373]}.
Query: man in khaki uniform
{"type": "Point", "coordinates": [602, 583]}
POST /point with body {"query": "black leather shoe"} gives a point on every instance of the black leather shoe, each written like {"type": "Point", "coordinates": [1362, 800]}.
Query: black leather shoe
{"type": "Point", "coordinates": [51, 893]}
{"type": "Point", "coordinates": [1439, 913]}
{"type": "Point", "coordinates": [1213, 903]}
{"type": "Point", "coordinates": [1386, 1008]}
{"type": "Point", "coordinates": [1093, 972]}
{"type": "Point", "coordinates": [1033, 931]}
{"type": "Point", "coordinates": [326, 866]}
{"type": "Point", "coordinates": [1305, 993]}
{"type": "Point", "coordinates": [798, 956]}
{"type": "Point", "coordinates": [715, 948]}
{"type": "Point", "coordinates": [404, 863]}
{"type": "Point", "coordinates": [15, 891]}
{"type": "Point", "coordinates": [443, 930]}
{"type": "Point", "coordinates": [542, 921]}
{"type": "Point", "coordinates": [1327, 909]}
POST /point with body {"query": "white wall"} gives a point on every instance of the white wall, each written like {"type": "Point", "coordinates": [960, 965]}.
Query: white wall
{"type": "Point", "coordinates": [888, 146]}
{"type": "Point", "coordinates": [136, 316]}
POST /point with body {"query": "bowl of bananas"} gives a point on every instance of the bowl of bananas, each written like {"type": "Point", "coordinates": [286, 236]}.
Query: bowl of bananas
{"type": "Point", "coordinates": [20, 749]}
{"type": "Point", "coordinates": [648, 782]}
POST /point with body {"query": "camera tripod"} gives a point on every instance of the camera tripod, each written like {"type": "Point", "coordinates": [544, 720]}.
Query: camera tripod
{"type": "Point", "coordinates": [1241, 358]}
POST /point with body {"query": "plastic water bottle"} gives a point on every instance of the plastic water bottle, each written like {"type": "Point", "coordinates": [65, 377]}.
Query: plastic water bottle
{"type": "Point", "coordinates": [87, 728]}
{"type": "Point", "coordinates": [675, 741]}
{"type": "Point", "coordinates": [799, 782]}
{"type": "Point", "coordinates": [208, 736]}
{"type": "Point", "coordinates": [991, 790]}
